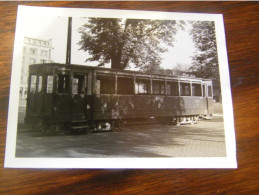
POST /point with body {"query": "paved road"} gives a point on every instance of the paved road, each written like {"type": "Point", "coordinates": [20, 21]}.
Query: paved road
{"type": "Point", "coordinates": [205, 139]}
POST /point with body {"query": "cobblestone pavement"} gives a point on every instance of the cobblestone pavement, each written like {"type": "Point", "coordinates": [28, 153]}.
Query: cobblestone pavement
{"type": "Point", "coordinates": [205, 139]}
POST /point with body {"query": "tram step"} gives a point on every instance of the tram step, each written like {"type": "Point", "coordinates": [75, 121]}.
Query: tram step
{"type": "Point", "coordinates": [186, 123]}
{"type": "Point", "coordinates": [207, 117]}
{"type": "Point", "coordinates": [80, 127]}
{"type": "Point", "coordinates": [80, 121]}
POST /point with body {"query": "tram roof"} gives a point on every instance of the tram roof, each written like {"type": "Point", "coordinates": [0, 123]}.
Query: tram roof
{"type": "Point", "coordinates": [114, 71]}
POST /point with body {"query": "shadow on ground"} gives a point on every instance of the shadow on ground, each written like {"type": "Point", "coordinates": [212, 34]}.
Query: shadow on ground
{"type": "Point", "coordinates": [149, 140]}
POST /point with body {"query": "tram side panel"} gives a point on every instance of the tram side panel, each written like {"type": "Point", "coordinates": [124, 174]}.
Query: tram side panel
{"type": "Point", "coordinates": [164, 106]}
{"type": "Point", "coordinates": [122, 107]}
{"type": "Point", "coordinates": [194, 106]}
{"type": "Point", "coordinates": [210, 106]}
{"type": "Point", "coordinates": [107, 107]}
{"type": "Point", "coordinates": [178, 106]}
{"type": "Point", "coordinates": [142, 106]}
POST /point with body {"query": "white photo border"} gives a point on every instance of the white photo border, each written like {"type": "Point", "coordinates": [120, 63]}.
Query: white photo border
{"type": "Point", "coordinates": [189, 162]}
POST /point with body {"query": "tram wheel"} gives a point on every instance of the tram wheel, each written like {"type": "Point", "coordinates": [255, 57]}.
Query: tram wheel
{"type": "Point", "coordinates": [51, 129]}
{"type": "Point", "coordinates": [99, 126]}
{"type": "Point", "coordinates": [165, 120]}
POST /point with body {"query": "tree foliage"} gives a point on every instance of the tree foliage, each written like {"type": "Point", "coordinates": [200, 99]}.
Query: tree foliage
{"type": "Point", "coordinates": [156, 69]}
{"type": "Point", "coordinates": [179, 70]}
{"type": "Point", "coordinates": [124, 41]}
{"type": "Point", "coordinates": [205, 62]}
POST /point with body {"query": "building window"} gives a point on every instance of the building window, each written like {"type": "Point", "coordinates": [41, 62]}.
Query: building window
{"type": "Point", "coordinates": [43, 61]}
{"type": "Point", "coordinates": [172, 88]}
{"type": "Point", "coordinates": [105, 84]}
{"type": "Point", "coordinates": [32, 61]}
{"type": "Point", "coordinates": [196, 89]}
{"type": "Point", "coordinates": [33, 51]}
{"type": "Point", "coordinates": [44, 53]}
{"type": "Point", "coordinates": [158, 87]}
{"type": "Point", "coordinates": [185, 89]}
{"type": "Point", "coordinates": [125, 85]}
{"type": "Point", "coordinates": [49, 84]}
{"type": "Point", "coordinates": [142, 86]}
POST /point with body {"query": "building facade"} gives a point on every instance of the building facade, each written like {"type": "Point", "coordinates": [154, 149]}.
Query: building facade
{"type": "Point", "coordinates": [35, 51]}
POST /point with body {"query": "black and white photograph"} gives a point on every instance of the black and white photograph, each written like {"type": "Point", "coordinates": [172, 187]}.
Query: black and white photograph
{"type": "Point", "coordinates": [95, 88]}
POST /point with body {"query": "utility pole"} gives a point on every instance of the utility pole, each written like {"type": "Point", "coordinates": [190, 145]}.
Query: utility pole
{"type": "Point", "coordinates": [69, 35]}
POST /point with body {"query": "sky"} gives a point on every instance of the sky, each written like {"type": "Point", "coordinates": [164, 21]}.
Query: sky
{"type": "Point", "coordinates": [55, 28]}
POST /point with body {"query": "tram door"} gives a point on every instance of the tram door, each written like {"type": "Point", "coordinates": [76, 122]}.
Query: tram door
{"type": "Point", "coordinates": [79, 99]}
{"type": "Point", "coordinates": [62, 98]}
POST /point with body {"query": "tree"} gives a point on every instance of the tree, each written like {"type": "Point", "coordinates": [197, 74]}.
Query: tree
{"type": "Point", "coordinates": [205, 62]}
{"type": "Point", "coordinates": [181, 69]}
{"type": "Point", "coordinates": [124, 41]}
{"type": "Point", "coordinates": [156, 69]}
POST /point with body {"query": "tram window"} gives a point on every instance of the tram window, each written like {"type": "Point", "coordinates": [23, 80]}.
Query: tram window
{"type": "Point", "coordinates": [105, 84]}
{"type": "Point", "coordinates": [203, 91]}
{"type": "Point", "coordinates": [142, 86]}
{"type": "Point", "coordinates": [75, 84]}
{"type": "Point", "coordinates": [98, 86]}
{"type": "Point", "coordinates": [185, 89]}
{"type": "Point", "coordinates": [172, 88]}
{"type": "Point", "coordinates": [63, 83]}
{"type": "Point", "coordinates": [125, 85]}
{"type": "Point", "coordinates": [78, 84]}
{"type": "Point", "coordinates": [209, 91]}
{"type": "Point", "coordinates": [196, 89]}
{"type": "Point", "coordinates": [21, 91]}
{"type": "Point", "coordinates": [39, 84]}
{"type": "Point", "coordinates": [158, 87]}
{"type": "Point", "coordinates": [33, 82]}
{"type": "Point", "coordinates": [49, 84]}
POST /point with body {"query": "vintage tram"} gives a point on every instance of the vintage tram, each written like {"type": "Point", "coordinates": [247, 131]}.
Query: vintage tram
{"type": "Point", "coordinates": [76, 97]}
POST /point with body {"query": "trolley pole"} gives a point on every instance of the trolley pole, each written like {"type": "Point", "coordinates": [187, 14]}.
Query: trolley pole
{"type": "Point", "coordinates": [69, 35]}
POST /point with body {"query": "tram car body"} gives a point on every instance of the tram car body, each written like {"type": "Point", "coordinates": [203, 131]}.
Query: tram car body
{"type": "Point", "coordinates": [63, 95]}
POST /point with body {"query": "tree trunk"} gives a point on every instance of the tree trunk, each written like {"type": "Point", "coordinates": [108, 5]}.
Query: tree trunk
{"type": "Point", "coordinates": [115, 63]}
{"type": "Point", "coordinates": [116, 60]}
